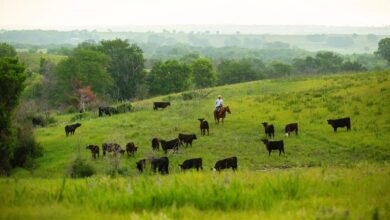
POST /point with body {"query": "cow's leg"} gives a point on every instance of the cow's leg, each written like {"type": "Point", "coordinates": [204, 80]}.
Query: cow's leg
{"type": "Point", "coordinates": [335, 129]}
{"type": "Point", "coordinates": [269, 153]}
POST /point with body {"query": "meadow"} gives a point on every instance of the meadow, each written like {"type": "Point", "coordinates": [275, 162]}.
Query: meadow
{"type": "Point", "coordinates": [324, 175]}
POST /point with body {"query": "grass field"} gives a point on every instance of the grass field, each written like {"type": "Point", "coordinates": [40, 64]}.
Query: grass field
{"type": "Point", "coordinates": [323, 175]}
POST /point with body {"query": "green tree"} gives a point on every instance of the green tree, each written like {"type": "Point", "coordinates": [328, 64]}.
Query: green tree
{"type": "Point", "coordinates": [126, 67]}
{"type": "Point", "coordinates": [12, 77]}
{"type": "Point", "coordinates": [7, 50]}
{"type": "Point", "coordinates": [329, 62]}
{"type": "Point", "coordinates": [235, 71]}
{"type": "Point", "coordinates": [170, 76]}
{"type": "Point", "coordinates": [86, 67]}
{"type": "Point", "coordinates": [384, 49]}
{"type": "Point", "coordinates": [203, 73]}
{"type": "Point", "coordinates": [278, 69]}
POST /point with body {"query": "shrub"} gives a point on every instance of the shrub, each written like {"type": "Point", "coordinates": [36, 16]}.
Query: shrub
{"type": "Point", "coordinates": [125, 107]}
{"type": "Point", "coordinates": [80, 168]}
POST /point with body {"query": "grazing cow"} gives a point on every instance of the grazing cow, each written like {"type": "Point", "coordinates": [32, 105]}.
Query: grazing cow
{"type": "Point", "coordinates": [70, 129]}
{"type": "Point", "coordinates": [155, 144]}
{"type": "Point", "coordinates": [339, 123]}
{"type": "Point", "coordinates": [227, 163]}
{"type": "Point", "coordinates": [162, 105]}
{"type": "Point", "coordinates": [141, 164]}
{"type": "Point", "coordinates": [204, 126]}
{"type": "Point", "coordinates": [273, 145]}
{"type": "Point", "coordinates": [172, 144]}
{"type": "Point", "coordinates": [161, 164]}
{"type": "Point", "coordinates": [37, 121]}
{"type": "Point", "coordinates": [187, 139]}
{"type": "Point", "coordinates": [269, 129]}
{"type": "Point", "coordinates": [107, 111]}
{"type": "Point", "coordinates": [111, 147]}
{"type": "Point", "coordinates": [290, 128]}
{"type": "Point", "coordinates": [191, 163]}
{"type": "Point", "coordinates": [94, 150]}
{"type": "Point", "coordinates": [131, 148]}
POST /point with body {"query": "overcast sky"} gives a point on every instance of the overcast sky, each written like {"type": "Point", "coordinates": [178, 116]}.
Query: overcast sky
{"type": "Point", "coordinates": [65, 13]}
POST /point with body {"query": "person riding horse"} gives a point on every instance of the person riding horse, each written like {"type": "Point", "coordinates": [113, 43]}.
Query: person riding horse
{"type": "Point", "coordinates": [218, 104]}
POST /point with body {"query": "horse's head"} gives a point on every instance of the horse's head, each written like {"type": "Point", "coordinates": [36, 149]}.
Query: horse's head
{"type": "Point", "coordinates": [228, 109]}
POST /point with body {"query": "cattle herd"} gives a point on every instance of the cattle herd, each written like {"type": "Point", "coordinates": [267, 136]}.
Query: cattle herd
{"type": "Point", "coordinates": [162, 164]}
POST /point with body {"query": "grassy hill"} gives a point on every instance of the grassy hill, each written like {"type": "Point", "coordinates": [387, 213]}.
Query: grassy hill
{"type": "Point", "coordinates": [344, 162]}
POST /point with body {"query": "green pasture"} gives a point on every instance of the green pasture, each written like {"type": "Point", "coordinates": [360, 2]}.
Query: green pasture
{"type": "Point", "coordinates": [324, 175]}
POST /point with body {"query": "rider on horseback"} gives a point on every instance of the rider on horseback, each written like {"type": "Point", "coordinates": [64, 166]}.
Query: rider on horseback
{"type": "Point", "coordinates": [218, 104]}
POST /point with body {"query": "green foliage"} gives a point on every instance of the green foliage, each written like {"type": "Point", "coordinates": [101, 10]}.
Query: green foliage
{"type": "Point", "coordinates": [126, 67]}
{"type": "Point", "coordinates": [203, 73]}
{"type": "Point", "coordinates": [169, 77]}
{"type": "Point", "coordinates": [12, 77]}
{"type": "Point", "coordinates": [7, 50]}
{"type": "Point", "coordinates": [85, 67]}
{"type": "Point", "coordinates": [80, 168]}
{"type": "Point", "coordinates": [235, 71]}
{"type": "Point", "coordinates": [278, 69]}
{"type": "Point", "coordinates": [125, 107]}
{"type": "Point", "coordinates": [384, 49]}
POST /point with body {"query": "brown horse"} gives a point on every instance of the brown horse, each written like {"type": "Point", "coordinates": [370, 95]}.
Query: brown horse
{"type": "Point", "coordinates": [221, 114]}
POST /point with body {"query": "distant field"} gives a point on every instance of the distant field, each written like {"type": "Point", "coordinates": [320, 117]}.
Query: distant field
{"type": "Point", "coordinates": [323, 175]}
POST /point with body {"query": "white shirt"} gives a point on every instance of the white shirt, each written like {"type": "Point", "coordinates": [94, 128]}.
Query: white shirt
{"type": "Point", "coordinates": [219, 102]}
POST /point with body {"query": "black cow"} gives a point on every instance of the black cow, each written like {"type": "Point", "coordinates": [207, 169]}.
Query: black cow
{"type": "Point", "coordinates": [155, 144]}
{"type": "Point", "coordinates": [141, 164]}
{"type": "Point", "coordinates": [290, 128]}
{"type": "Point", "coordinates": [107, 111]}
{"type": "Point", "coordinates": [37, 121]}
{"type": "Point", "coordinates": [339, 123]}
{"type": "Point", "coordinates": [191, 163]}
{"type": "Point", "coordinates": [204, 126]}
{"type": "Point", "coordinates": [94, 150]}
{"type": "Point", "coordinates": [227, 163]}
{"type": "Point", "coordinates": [111, 147]}
{"type": "Point", "coordinates": [273, 145]}
{"type": "Point", "coordinates": [161, 164]}
{"type": "Point", "coordinates": [269, 129]}
{"type": "Point", "coordinates": [187, 139]}
{"type": "Point", "coordinates": [172, 144]}
{"type": "Point", "coordinates": [157, 105]}
{"type": "Point", "coordinates": [70, 129]}
{"type": "Point", "coordinates": [131, 148]}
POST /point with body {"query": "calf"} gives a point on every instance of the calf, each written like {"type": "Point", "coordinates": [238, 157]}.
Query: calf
{"type": "Point", "coordinates": [227, 163]}
{"type": "Point", "coordinates": [107, 111]}
{"type": "Point", "coordinates": [161, 164]}
{"type": "Point", "coordinates": [141, 164]}
{"type": "Point", "coordinates": [342, 122]}
{"type": "Point", "coordinates": [290, 128]}
{"type": "Point", "coordinates": [111, 147]}
{"type": "Point", "coordinates": [162, 105]}
{"type": "Point", "coordinates": [131, 148]}
{"type": "Point", "coordinates": [155, 144]}
{"type": "Point", "coordinates": [204, 126]}
{"type": "Point", "coordinates": [94, 150]}
{"type": "Point", "coordinates": [191, 163]}
{"type": "Point", "coordinates": [70, 129]}
{"type": "Point", "coordinates": [274, 145]}
{"type": "Point", "coordinates": [172, 144]}
{"type": "Point", "coordinates": [187, 139]}
{"type": "Point", "coordinates": [269, 129]}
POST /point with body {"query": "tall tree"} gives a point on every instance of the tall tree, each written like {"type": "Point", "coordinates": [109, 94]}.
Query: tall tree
{"type": "Point", "coordinates": [170, 76]}
{"type": "Point", "coordinates": [86, 67]}
{"type": "Point", "coordinates": [126, 67]}
{"type": "Point", "coordinates": [235, 71]}
{"type": "Point", "coordinates": [12, 77]}
{"type": "Point", "coordinates": [203, 73]}
{"type": "Point", "coordinates": [384, 49]}
{"type": "Point", "coordinates": [7, 50]}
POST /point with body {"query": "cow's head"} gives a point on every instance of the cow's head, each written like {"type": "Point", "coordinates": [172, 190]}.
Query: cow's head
{"type": "Point", "coordinates": [330, 121]}
{"type": "Point", "coordinates": [77, 125]}
{"type": "Point", "coordinates": [264, 124]}
{"type": "Point", "coordinates": [194, 136]}
{"type": "Point", "coordinates": [264, 140]}
{"type": "Point", "coordinates": [181, 167]}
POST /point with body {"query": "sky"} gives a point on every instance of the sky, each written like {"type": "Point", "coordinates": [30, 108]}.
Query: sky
{"type": "Point", "coordinates": [79, 13]}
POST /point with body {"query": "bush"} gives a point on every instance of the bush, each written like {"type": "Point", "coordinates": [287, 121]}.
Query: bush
{"type": "Point", "coordinates": [125, 107]}
{"type": "Point", "coordinates": [80, 168]}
